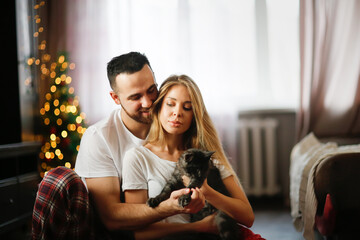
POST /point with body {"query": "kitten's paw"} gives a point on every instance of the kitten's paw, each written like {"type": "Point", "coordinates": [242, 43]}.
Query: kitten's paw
{"type": "Point", "coordinates": [184, 200]}
{"type": "Point", "coordinates": [153, 202]}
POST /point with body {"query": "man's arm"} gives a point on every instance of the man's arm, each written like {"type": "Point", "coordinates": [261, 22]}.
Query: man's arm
{"type": "Point", "coordinates": [115, 215]}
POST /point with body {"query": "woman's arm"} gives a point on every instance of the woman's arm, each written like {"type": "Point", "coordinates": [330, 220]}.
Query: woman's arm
{"type": "Point", "coordinates": [161, 229]}
{"type": "Point", "coordinates": [237, 206]}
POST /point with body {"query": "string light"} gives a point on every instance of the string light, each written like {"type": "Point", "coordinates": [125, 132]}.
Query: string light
{"type": "Point", "coordinates": [64, 134]}
{"type": "Point", "coordinates": [59, 121]}
{"type": "Point", "coordinates": [63, 123]}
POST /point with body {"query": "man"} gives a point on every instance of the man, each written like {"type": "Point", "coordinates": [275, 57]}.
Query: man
{"type": "Point", "coordinates": [99, 164]}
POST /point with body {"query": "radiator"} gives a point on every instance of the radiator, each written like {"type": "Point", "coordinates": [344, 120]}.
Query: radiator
{"type": "Point", "coordinates": [257, 166]}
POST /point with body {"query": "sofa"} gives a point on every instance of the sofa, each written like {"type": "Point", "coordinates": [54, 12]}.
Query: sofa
{"type": "Point", "coordinates": [325, 188]}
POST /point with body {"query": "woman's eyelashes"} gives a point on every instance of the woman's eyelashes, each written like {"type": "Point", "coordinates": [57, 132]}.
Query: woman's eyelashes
{"type": "Point", "coordinates": [186, 106]}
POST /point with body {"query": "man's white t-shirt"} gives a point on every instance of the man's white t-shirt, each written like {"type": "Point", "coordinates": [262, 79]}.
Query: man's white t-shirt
{"type": "Point", "coordinates": [103, 146]}
{"type": "Point", "coordinates": [142, 169]}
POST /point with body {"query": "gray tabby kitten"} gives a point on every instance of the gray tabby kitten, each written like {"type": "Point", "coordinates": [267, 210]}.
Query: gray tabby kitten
{"type": "Point", "coordinates": [196, 164]}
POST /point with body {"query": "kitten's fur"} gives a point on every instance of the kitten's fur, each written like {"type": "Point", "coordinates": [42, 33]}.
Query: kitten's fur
{"type": "Point", "coordinates": [197, 166]}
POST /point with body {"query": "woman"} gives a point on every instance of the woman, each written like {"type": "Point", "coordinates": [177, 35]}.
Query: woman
{"type": "Point", "coordinates": [180, 121]}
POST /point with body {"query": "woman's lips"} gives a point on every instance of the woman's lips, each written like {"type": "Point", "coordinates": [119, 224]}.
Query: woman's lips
{"type": "Point", "coordinates": [175, 123]}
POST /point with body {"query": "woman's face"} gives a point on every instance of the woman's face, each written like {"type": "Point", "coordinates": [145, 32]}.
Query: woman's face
{"type": "Point", "coordinates": [176, 111]}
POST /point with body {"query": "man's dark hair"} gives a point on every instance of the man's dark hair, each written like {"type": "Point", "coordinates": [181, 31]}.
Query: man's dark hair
{"type": "Point", "coordinates": [127, 63]}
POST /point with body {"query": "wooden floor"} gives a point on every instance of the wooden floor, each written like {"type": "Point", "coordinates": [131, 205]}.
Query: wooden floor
{"type": "Point", "coordinates": [273, 220]}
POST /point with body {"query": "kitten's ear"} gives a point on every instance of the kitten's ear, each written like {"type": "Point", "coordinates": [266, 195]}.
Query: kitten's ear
{"type": "Point", "coordinates": [209, 153]}
{"type": "Point", "coordinates": [187, 156]}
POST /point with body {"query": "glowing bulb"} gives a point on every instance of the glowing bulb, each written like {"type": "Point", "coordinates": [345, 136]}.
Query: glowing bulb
{"type": "Point", "coordinates": [68, 80]}
{"type": "Point", "coordinates": [59, 121]}
{"type": "Point", "coordinates": [73, 109]}
{"type": "Point", "coordinates": [46, 57]}
{"type": "Point", "coordinates": [52, 137]}
{"type": "Point", "coordinates": [76, 102]}
{"type": "Point", "coordinates": [42, 111]}
{"type": "Point", "coordinates": [61, 59]}
{"type": "Point", "coordinates": [79, 129]}
{"type": "Point", "coordinates": [43, 165]}
{"type": "Point", "coordinates": [72, 66]}
{"type": "Point", "coordinates": [71, 90]}
{"type": "Point", "coordinates": [64, 134]}
{"type": "Point", "coordinates": [53, 88]}
{"type": "Point", "coordinates": [44, 71]}
{"type": "Point", "coordinates": [57, 152]}
{"type": "Point", "coordinates": [57, 80]}
{"type": "Point", "coordinates": [47, 106]}
{"type": "Point", "coordinates": [30, 61]}
{"type": "Point", "coordinates": [47, 155]}
{"type": "Point", "coordinates": [27, 81]}
{"type": "Point", "coordinates": [56, 112]}
{"type": "Point", "coordinates": [47, 121]}
{"type": "Point", "coordinates": [48, 96]}
{"type": "Point", "coordinates": [56, 102]}
{"type": "Point", "coordinates": [78, 119]}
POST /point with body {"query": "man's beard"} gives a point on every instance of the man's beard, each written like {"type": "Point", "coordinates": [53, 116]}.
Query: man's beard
{"type": "Point", "coordinates": [138, 116]}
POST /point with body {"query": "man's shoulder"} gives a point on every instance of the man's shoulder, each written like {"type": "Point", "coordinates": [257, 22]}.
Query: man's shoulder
{"type": "Point", "coordinates": [106, 126]}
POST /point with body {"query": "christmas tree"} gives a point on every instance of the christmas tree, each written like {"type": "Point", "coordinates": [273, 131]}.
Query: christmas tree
{"type": "Point", "coordinates": [63, 122]}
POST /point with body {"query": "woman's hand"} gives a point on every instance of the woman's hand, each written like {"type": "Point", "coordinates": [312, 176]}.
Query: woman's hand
{"type": "Point", "coordinates": [186, 180]}
{"type": "Point", "coordinates": [205, 187]}
{"type": "Point", "coordinates": [172, 206]}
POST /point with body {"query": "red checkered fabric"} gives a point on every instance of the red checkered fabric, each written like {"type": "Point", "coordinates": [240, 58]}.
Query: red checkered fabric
{"type": "Point", "coordinates": [64, 210]}
{"type": "Point", "coordinates": [62, 207]}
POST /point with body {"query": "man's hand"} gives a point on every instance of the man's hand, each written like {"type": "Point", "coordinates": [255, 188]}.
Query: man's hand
{"type": "Point", "coordinates": [208, 224]}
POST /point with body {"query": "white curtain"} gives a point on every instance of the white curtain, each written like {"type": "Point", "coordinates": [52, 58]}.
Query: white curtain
{"type": "Point", "coordinates": [243, 54]}
{"type": "Point", "coordinates": [330, 68]}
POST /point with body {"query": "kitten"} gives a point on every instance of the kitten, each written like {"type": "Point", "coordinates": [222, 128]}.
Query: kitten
{"type": "Point", "coordinates": [197, 166]}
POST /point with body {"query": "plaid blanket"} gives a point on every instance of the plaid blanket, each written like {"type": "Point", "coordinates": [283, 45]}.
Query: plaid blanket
{"type": "Point", "coordinates": [62, 207]}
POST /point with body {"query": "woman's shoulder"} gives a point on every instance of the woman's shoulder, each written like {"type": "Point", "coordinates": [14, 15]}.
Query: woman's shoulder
{"type": "Point", "coordinates": [224, 171]}
{"type": "Point", "coordinates": [136, 150]}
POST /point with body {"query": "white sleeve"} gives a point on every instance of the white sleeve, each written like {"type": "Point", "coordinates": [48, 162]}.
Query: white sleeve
{"type": "Point", "coordinates": [134, 174]}
{"type": "Point", "coordinates": [94, 158]}
{"type": "Point", "coordinates": [224, 172]}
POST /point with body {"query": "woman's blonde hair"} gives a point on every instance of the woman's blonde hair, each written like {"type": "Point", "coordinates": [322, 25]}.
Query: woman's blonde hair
{"type": "Point", "coordinates": [202, 133]}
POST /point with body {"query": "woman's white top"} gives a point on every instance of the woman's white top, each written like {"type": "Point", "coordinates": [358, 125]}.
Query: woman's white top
{"type": "Point", "coordinates": [142, 169]}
